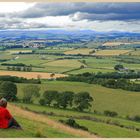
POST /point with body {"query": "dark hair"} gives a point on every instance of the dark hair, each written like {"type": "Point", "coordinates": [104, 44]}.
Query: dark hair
{"type": "Point", "coordinates": [3, 102]}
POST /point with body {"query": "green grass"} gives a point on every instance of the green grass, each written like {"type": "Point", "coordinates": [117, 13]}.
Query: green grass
{"type": "Point", "coordinates": [30, 130]}
{"type": "Point", "coordinates": [100, 128]}
{"type": "Point", "coordinates": [104, 130]}
{"type": "Point", "coordinates": [118, 100]}
{"type": "Point", "coordinates": [90, 70]}
{"type": "Point", "coordinates": [65, 112]}
{"type": "Point", "coordinates": [60, 66]}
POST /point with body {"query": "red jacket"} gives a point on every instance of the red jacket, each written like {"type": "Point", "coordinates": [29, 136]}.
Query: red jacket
{"type": "Point", "coordinates": [5, 116]}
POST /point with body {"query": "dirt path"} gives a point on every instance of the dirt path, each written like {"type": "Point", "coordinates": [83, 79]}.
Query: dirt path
{"type": "Point", "coordinates": [44, 119]}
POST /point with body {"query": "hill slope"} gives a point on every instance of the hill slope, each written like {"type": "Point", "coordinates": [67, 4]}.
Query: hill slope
{"type": "Point", "coordinates": [35, 125]}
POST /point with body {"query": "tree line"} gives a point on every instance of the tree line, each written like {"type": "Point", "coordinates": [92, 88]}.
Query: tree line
{"type": "Point", "coordinates": [110, 80]}
{"type": "Point", "coordinates": [16, 79]}
{"type": "Point", "coordinates": [80, 101]}
{"type": "Point", "coordinates": [121, 83]}
{"type": "Point", "coordinates": [19, 68]}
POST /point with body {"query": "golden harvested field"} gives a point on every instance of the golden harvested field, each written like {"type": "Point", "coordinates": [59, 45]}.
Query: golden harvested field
{"type": "Point", "coordinates": [84, 51]}
{"type": "Point", "coordinates": [114, 44]}
{"type": "Point", "coordinates": [137, 53]}
{"type": "Point", "coordinates": [111, 52]}
{"type": "Point", "coordinates": [30, 75]}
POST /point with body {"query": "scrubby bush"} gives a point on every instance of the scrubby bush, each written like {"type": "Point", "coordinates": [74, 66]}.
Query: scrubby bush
{"type": "Point", "coordinates": [38, 134]}
{"type": "Point", "coordinates": [72, 123]}
{"type": "Point", "coordinates": [136, 118]}
{"type": "Point", "coordinates": [42, 102]}
{"type": "Point", "coordinates": [110, 113]}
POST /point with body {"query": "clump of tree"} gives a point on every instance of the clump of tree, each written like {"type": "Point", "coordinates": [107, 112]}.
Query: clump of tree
{"type": "Point", "coordinates": [91, 52]}
{"type": "Point", "coordinates": [122, 84]}
{"type": "Point", "coordinates": [20, 68]}
{"type": "Point", "coordinates": [110, 113]}
{"type": "Point", "coordinates": [52, 75]}
{"type": "Point", "coordinates": [8, 90]}
{"type": "Point", "coordinates": [119, 67]}
{"type": "Point", "coordinates": [83, 101]}
{"type": "Point", "coordinates": [82, 66]}
{"type": "Point", "coordinates": [72, 123]}
{"type": "Point", "coordinates": [49, 97]}
{"type": "Point", "coordinates": [29, 92]}
{"type": "Point", "coordinates": [67, 99]}
{"type": "Point", "coordinates": [134, 118]}
{"type": "Point", "coordinates": [16, 64]}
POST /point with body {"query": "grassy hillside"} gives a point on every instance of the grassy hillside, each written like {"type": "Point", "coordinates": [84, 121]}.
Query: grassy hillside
{"type": "Point", "coordinates": [39, 126]}
{"type": "Point", "coordinates": [102, 129]}
{"type": "Point", "coordinates": [117, 100]}
{"type": "Point", "coordinates": [32, 129]}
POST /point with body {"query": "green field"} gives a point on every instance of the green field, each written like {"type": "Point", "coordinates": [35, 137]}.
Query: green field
{"type": "Point", "coordinates": [117, 100]}
{"type": "Point", "coordinates": [94, 70]}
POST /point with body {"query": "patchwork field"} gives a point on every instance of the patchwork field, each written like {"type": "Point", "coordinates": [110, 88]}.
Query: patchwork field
{"type": "Point", "coordinates": [111, 52]}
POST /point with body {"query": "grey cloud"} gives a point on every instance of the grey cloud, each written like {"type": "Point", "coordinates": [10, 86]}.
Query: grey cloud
{"type": "Point", "coordinates": [20, 24]}
{"type": "Point", "coordinates": [127, 13]}
{"type": "Point", "coordinates": [90, 11]}
{"type": "Point", "coordinates": [103, 17]}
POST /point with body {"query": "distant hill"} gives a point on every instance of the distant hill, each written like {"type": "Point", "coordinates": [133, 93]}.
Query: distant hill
{"type": "Point", "coordinates": [63, 34]}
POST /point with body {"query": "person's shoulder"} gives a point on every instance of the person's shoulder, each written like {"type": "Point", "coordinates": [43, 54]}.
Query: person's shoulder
{"type": "Point", "coordinates": [3, 108]}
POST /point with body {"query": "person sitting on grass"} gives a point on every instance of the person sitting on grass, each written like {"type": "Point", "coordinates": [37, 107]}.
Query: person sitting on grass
{"type": "Point", "coordinates": [6, 119]}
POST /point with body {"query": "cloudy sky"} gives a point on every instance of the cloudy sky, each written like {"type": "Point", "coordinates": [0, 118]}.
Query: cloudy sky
{"type": "Point", "coordinates": [71, 16]}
